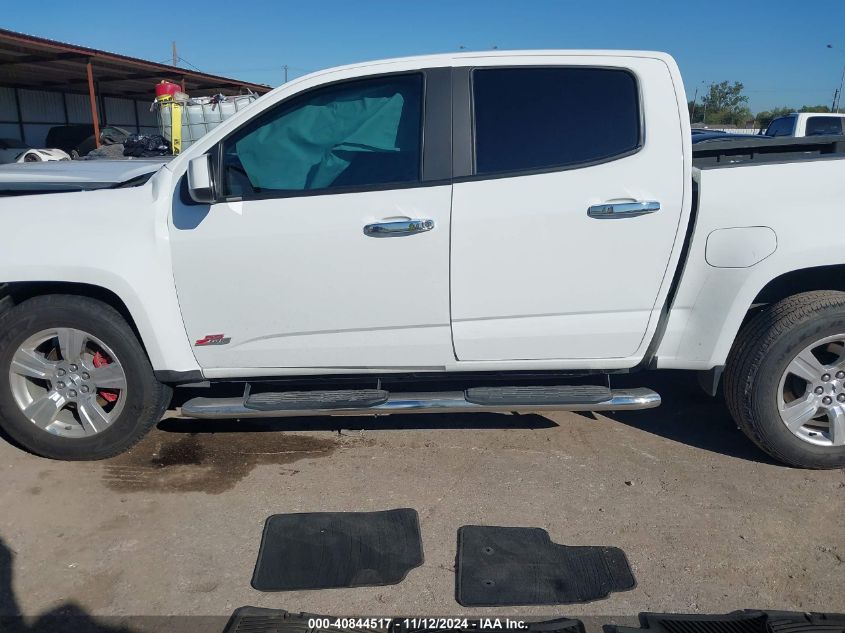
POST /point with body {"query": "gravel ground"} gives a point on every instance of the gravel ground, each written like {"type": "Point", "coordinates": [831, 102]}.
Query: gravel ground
{"type": "Point", "coordinates": [172, 528]}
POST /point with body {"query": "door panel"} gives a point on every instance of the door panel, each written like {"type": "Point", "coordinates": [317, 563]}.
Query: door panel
{"type": "Point", "coordinates": [295, 282]}
{"type": "Point", "coordinates": [535, 277]}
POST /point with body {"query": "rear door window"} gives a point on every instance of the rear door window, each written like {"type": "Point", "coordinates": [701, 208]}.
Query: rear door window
{"type": "Point", "coordinates": [823, 125]}
{"type": "Point", "coordinates": [545, 118]}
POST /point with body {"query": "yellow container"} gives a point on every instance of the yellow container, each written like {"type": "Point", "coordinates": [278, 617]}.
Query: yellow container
{"type": "Point", "coordinates": [175, 132]}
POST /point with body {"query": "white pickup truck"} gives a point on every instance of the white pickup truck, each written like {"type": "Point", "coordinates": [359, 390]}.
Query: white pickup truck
{"type": "Point", "coordinates": [807, 124]}
{"type": "Point", "coordinates": [475, 232]}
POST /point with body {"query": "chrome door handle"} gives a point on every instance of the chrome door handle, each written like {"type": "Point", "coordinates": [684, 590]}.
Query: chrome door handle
{"type": "Point", "coordinates": [609, 210]}
{"type": "Point", "coordinates": [398, 228]}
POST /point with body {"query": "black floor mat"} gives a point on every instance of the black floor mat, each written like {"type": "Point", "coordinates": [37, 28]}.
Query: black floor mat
{"type": "Point", "coordinates": [506, 566]}
{"type": "Point", "coordinates": [257, 620]}
{"type": "Point", "coordinates": [747, 621]}
{"type": "Point", "coordinates": [322, 550]}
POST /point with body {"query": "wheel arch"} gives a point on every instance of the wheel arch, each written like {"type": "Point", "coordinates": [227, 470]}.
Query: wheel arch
{"type": "Point", "coordinates": [131, 308]}
{"type": "Point", "coordinates": [786, 284]}
{"type": "Point", "coordinates": [831, 277]}
{"type": "Point", "coordinates": [13, 293]}
{"type": "Point", "coordinates": [702, 332]}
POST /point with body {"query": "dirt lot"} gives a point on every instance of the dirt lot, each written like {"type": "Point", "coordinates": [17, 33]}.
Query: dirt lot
{"type": "Point", "coordinates": [172, 528]}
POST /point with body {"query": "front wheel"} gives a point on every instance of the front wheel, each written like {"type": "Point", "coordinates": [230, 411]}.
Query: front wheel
{"type": "Point", "coordinates": [77, 384]}
{"type": "Point", "coordinates": [785, 380]}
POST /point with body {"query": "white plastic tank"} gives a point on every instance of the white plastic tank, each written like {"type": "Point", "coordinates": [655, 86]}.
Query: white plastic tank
{"type": "Point", "coordinates": [200, 115]}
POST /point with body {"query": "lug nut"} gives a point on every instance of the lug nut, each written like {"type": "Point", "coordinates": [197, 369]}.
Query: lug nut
{"type": "Point", "coordinates": [72, 393]}
{"type": "Point", "coordinates": [840, 375]}
{"type": "Point", "coordinates": [60, 385]}
{"type": "Point", "coordinates": [826, 400]}
{"type": "Point", "coordinates": [84, 388]}
{"type": "Point", "coordinates": [841, 397]}
{"type": "Point", "coordinates": [818, 390]}
{"type": "Point", "coordinates": [85, 375]}
{"type": "Point", "coordinates": [61, 372]}
{"type": "Point", "coordinates": [73, 367]}
{"type": "Point", "coordinates": [825, 377]}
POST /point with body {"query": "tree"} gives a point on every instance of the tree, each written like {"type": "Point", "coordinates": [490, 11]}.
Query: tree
{"type": "Point", "coordinates": [725, 103]}
{"type": "Point", "coordinates": [695, 111]}
{"type": "Point", "coordinates": [816, 108]}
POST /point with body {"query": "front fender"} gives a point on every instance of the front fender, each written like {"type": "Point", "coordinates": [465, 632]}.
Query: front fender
{"type": "Point", "coordinates": [105, 238]}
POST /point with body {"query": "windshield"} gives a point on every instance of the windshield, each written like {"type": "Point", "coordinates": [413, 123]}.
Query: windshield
{"type": "Point", "coordinates": [784, 126]}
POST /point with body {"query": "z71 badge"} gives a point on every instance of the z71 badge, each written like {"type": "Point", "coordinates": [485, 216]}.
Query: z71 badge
{"type": "Point", "coordinates": [213, 339]}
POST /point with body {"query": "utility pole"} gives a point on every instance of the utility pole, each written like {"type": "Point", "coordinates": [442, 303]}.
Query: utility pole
{"type": "Point", "coordinates": [286, 72]}
{"type": "Point", "coordinates": [175, 54]}
{"type": "Point", "coordinates": [694, 99]}
{"type": "Point", "coordinates": [705, 99]}
{"type": "Point", "coordinates": [838, 100]}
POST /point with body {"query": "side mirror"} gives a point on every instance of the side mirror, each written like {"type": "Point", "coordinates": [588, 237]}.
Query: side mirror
{"type": "Point", "coordinates": [201, 181]}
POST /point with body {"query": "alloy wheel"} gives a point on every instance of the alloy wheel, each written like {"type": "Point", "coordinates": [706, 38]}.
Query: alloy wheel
{"type": "Point", "coordinates": [811, 395]}
{"type": "Point", "coordinates": [68, 382]}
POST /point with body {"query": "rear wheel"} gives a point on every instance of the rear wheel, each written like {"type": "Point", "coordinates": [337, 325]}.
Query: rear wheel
{"type": "Point", "coordinates": [77, 384]}
{"type": "Point", "coordinates": [785, 380]}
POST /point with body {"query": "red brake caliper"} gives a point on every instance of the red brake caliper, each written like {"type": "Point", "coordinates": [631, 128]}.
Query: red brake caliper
{"type": "Point", "coordinates": [101, 359]}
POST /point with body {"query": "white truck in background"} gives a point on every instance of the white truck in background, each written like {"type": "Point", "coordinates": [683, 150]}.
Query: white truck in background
{"type": "Point", "coordinates": [474, 232]}
{"type": "Point", "coordinates": [801, 124]}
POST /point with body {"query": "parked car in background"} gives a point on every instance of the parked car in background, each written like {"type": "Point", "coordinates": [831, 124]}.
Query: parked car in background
{"type": "Point", "coordinates": [78, 140]}
{"type": "Point", "coordinates": [15, 151]}
{"type": "Point", "coordinates": [807, 124]}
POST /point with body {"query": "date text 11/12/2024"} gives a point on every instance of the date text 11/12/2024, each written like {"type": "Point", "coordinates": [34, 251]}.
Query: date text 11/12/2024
{"type": "Point", "coordinates": [399, 625]}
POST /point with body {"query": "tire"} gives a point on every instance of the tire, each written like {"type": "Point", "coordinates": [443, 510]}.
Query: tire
{"type": "Point", "coordinates": [757, 370]}
{"type": "Point", "coordinates": [142, 400]}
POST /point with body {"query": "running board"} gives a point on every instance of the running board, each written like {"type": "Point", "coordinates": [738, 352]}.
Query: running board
{"type": "Point", "coordinates": [522, 399]}
{"type": "Point", "coordinates": [299, 400]}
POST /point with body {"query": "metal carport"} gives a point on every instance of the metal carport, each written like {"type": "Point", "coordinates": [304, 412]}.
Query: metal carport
{"type": "Point", "coordinates": [44, 83]}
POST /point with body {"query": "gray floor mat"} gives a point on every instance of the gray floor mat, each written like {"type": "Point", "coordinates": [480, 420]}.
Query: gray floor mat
{"type": "Point", "coordinates": [506, 566]}
{"type": "Point", "coordinates": [322, 550]}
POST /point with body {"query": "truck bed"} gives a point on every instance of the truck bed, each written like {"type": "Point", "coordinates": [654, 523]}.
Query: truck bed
{"type": "Point", "coordinates": [758, 149]}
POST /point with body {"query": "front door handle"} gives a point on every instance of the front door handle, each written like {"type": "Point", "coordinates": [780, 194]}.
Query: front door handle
{"type": "Point", "coordinates": [610, 210]}
{"type": "Point", "coordinates": [398, 228]}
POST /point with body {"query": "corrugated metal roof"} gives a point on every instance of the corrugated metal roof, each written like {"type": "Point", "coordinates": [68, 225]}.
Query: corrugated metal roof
{"type": "Point", "coordinates": [37, 63]}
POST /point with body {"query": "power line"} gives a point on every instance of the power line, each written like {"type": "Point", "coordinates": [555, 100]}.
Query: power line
{"type": "Point", "coordinates": [789, 90]}
{"type": "Point", "coordinates": [182, 59]}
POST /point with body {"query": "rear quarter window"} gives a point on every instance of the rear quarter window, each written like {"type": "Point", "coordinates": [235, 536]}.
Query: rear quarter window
{"type": "Point", "coordinates": [823, 125]}
{"type": "Point", "coordinates": [542, 118]}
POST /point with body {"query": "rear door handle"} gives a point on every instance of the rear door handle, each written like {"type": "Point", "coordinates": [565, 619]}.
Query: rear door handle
{"type": "Point", "coordinates": [610, 210]}
{"type": "Point", "coordinates": [398, 228]}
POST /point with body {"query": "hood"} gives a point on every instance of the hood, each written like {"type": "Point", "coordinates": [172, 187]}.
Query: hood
{"type": "Point", "coordinates": [77, 175]}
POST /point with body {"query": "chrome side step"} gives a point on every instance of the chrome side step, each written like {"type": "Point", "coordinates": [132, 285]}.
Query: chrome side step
{"type": "Point", "coordinates": [532, 396]}
{"type": "Point", "coordinates": [299, 400]}
{"type": "Point", "coordinates": [426, 402]}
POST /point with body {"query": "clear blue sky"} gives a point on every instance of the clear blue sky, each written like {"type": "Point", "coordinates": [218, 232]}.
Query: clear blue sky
{"type": "Point", "coordinates": [776, 48]}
